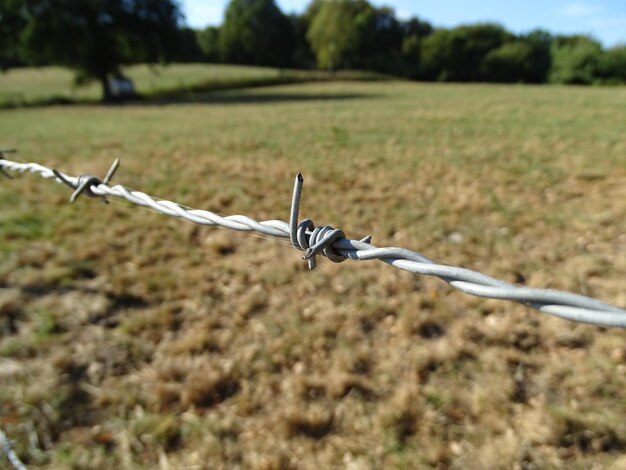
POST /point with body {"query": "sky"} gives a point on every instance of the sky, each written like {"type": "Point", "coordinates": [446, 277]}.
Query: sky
{"type": "Point", "coordinates": [603, 19]}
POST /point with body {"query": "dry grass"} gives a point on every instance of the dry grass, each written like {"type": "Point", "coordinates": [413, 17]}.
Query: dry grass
{"type": "Point", "coordinates": [132, 340]}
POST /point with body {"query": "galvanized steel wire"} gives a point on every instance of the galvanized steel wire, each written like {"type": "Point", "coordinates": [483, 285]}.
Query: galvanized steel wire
{"type": "Point", "coordinates": [333, 244]}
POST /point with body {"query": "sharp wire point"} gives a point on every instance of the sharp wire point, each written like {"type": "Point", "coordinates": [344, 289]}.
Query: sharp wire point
{"type": "Point", "coordinates": [111, 171]}
{"type": "Point", "coordinates": [295, 211]}
{"type": "Point", "coordinates": [86, 182]}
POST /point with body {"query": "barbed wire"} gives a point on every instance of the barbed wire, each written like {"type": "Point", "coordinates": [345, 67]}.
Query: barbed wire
{"type": "Point", "coordinates": [333, 244]}
{"type": "Point", "coordinates": [10, 453]}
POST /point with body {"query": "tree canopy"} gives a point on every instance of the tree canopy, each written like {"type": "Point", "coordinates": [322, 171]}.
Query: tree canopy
{"type": "Point", "coordinates": [459, 54]}
{"type": "Point", "coordinates": [97, 37]}
{"type": "Point", "coordinates": [336, 32]}
{"type": "Point", "coordinates": [209, 42]}
{"type": "Point", "coordinates": [11, 25]}
{"type": "Point", "coordinates": [575, 60]}
{"type": "Point", "coordinates": [612, 67]}
{"type": "Point", "coordinates": [523, 59]}
{"type": "Point", "coordinates": [255, 32]}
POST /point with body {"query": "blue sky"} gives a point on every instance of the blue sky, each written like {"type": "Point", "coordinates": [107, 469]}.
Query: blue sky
{"type": "Point", "coordinates": [603, 19]}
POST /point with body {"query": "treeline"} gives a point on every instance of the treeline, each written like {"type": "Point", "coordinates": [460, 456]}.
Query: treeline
{"type": "Point", "coordinates": [353, 34]}
{"type": "Point", "coordinates": [98, 37]}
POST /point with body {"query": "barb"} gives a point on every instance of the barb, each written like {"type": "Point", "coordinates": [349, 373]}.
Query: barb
{"type": "Point", "coordinates": [86, 182]}
{"type": "Point", "coordinates": [330, 242]}
{"type": "Point", "coordinates": [305, 237]}
{"type": "Point", "coordinates": [10, 453]}
{"type": "Point", "coordinates": [314, 241]}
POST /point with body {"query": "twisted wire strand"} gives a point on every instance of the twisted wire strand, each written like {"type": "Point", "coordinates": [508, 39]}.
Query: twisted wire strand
{"type": "Point", "coordinates": [331, 243]}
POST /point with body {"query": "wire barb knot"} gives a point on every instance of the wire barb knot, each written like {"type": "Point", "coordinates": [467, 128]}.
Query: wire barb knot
{"type": "Point", "coordinates": [317, 241]}
{"type": "Point", "coordinates": [306, 237]}
{"type": "Point", "coordinates": [86, 182]}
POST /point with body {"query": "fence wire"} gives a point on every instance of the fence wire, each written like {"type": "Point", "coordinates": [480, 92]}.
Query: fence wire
{"type": "Point", "coordinates": [332, 243]}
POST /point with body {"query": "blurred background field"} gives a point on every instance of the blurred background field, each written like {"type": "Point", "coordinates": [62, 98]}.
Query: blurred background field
{"type": "Point", "coordinates": [41, 85]}
{"type": "Point", "coordinates": [133, 340]}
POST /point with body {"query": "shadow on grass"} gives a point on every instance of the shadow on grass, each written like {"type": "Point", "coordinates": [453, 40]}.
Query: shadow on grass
{"type": "Point", "coordinates": [221, 92]}
{"type": "Point", "coordinates": [19, 103]}
{"type": "Point", "coordinates": [223, 98]}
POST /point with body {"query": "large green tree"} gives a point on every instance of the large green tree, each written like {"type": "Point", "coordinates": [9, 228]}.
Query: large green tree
{"type": "Point", "coordinates": [255, 32]}
{"type": "Point", "coordinates": [613, 65]}
{"type": "Point", "coordinates": [337, 31]}
{"type": "Point", "coordinates": [382, 35]}
{"type": "Point", "coordinates": [414, 31]}
{"type": "Point", "coordinates": [208, 40]}
{"type": "Point", "coordinates": [97, 37]}
{"type": "Point", "coordinates": [459, 54]}
{"type": "Point", "coordinates": [575, 60]}
{"type": "Point", "coordinates": [524, 59]}
{"type": "Point", "coordinates": [188, 46]}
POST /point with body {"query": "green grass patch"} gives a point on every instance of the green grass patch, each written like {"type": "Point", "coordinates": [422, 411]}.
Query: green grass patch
{"type": "Point", "coordinates": [23, 226]}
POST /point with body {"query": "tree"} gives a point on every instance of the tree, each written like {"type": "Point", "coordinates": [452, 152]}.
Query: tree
{"type": "Point", "coordinates": [255, 32]}
{"type": "Point", "coordinates": [97, 37]}
{"type": "Point", "coordinates": [612, 67]}
{"type": "Point", "coordinates": [414, 31]}
{"type": "Point", "coordinates": [525, 59]}
{"type": "Point", "coordinates": [575, 60]}
{"type": "Point", "coordinates": [458, 54]}
{"type": "Point", "coordinates": [209, 42]}
{"type": "Point", "coordinates": [11, 24]}
{"type": "Point", "coordinates": [188, 46]}
{"type": "Point", "coordinates": [312, 10]}
{"type": "Point", "coordinates": [337, 30]}
{"type": "Point", "coordinates": [507, 63]}
{"type": "Point", "coordinates": [540, 58]}
{"type": "Point", "coordinates": [302, 54]}
{"type": "Point", "coordinates": [380, 44]}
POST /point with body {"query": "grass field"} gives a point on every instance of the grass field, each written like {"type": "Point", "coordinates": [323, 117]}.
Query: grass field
{"type": "Point", "coordinates": [133, 340]}
{"type": "Point", "coordinates": [55, 85]}
{"type": "Point", "coordinates": [32, 86]}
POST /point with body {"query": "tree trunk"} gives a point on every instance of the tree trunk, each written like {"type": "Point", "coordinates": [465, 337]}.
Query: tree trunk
{"type": "Point", "coordinates": [107, 96]}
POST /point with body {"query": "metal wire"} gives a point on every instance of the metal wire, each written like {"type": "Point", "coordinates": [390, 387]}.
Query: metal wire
{"type": "Point", "coordinates": [10, 453]}
{"type": "Point", "coordinates": [332, 243]}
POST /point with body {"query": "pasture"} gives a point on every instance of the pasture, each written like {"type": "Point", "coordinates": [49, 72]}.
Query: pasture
{"type": "Point", "coordinates": [55, 85]}
{"type": "Point", "coordinates": [134, 340]}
